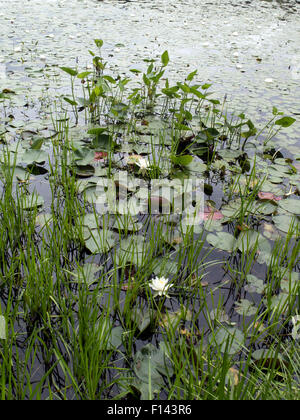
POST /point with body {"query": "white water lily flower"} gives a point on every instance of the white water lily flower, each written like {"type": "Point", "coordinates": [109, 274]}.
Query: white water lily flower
{"type": "Point", "coordinates": [143, 163]}
{"type": "Point", "coordinates": [160, 286]}
{"type": "Point", "coordinates": [138, 160]}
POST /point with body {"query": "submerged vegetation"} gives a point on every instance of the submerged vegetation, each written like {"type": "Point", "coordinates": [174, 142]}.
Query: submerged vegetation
{"type": "Point", "coordinates": [107, 291]}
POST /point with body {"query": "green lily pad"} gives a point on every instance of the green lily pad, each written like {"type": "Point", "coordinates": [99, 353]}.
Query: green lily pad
{"type": "Point", "coordinates": [133, 249]}
{"type": "Point", "coordinates": [245, 308]}
{"type": "Point", "coordinates": [110, 338]}
{"type": "Point", "coordinates": [254, 284]}
{"type": "Point", "coordinates": [100, 241]}
{"type": "Point", "coordinates": [291, 205]}
{"type": "Point", "coordinates": [151, 364]}
{"type": "Point", "coordinates": [34, 156]}
{"type": "Point", "coordinates": [222, 240]}
{"type": "Point", "coordinates": [230, 340]}
{"type": "Point", "coordinates": [286, 223]}
{"type": "Point", "coordinates": [86, 273]}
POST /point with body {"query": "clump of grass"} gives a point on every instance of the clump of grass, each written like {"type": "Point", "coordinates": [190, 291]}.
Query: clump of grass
{"type": "Point", "coordinates": [90, 320]}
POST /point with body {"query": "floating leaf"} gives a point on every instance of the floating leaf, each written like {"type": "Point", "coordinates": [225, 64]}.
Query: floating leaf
{"type": "Point", "coordinates": [110, 338]}
{"type": "Point", "coordinates": [286, 223]}
{"type": "Point", "coordinates": [292, 205]}
{"type": "Point", "coordinates": [221, 240]}
{"type": "Point", "coordinates": [296, 327]}
{"type": "Point", "coordinates": [219, 314]}
{"type": "Point", "coordinates": [100, 155]}
{"type": "Point", "coordinates": [245, 307]}
{"type": "Point", "coordinates": [265, 358]}
{"type": "Point", "coordinates": [100, 241]}
{"type": "Point", "coordinates": [171, 320]}
{"type": "Point", "coordinates": [268, 196]}
{"type": "Point", "coordinates": [143, 317]}
{"type": "Point", "coordinates": [183, 160]}
{"type": "Point", "coordinates": [86, 273]}
{"type": "Point", "coordinates": [232, 376]}
{"type": "Point", "coordinates": [290, 283]}
{"type": "Point", "coordinates": [34, 155]}
{"type": "Point", "coordinates": [212, 214]}
{"type": "Point", "coordinates": [228, 339]}
{"type": "Point", "coordinates": [255, 285]}
{"type": "Point", "coordinates": [151, 364]}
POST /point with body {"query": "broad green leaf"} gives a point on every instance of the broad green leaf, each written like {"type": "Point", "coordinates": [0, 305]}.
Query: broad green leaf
{"type": "Point", "coordinates": [285, 121]}
{"type": "Point", "coordinates": [84, 156]}
{"type": "Point", "coordinates": [110, 338]}
{"type": "Point", "coordinates": [165, 58]}
{"type": "Point", "coordinates": [70, 101]}
{"type": "Point", "coordinates": [97, 130]}
{"type": "Point", "coordinates": [182, 160]}
{"type": "Point", "coordinates": [143, 317]}
{"type": "Point", "coordinates": [98, 42]}
{"type": "Point", "coordinates": [267, 357]}
{"type": "Point", "coordinates": [84, 74]}
{"type": "Point", "coordinates": [70, 71]}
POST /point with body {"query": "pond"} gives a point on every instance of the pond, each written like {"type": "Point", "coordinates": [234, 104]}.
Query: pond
{"type": "Point", "coordinates": [117, 280]}
{"type": "Point", "coordinates": [248, 50]}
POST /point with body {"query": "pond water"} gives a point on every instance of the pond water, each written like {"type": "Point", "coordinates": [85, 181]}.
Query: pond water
{"type": "Point", "coordinates": [249, 50]}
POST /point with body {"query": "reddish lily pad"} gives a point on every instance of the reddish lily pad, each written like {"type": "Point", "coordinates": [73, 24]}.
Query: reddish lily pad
{"type": "Point", "coordinates": [211, 213]}
{"type": "Point", "coordinates": [269, 196]}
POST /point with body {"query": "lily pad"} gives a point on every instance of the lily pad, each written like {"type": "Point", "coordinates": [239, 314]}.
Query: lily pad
{"type": "Point", "coordinates": [245, 307]}
{"type": "Point", "coordinates": [291, 205]}
{"type": "Point", "coordinates": [110, 338]}
{"type": "Point", "coordinates": [100, 241]}
{"type": "Point", "coordinates": [254, 284]}
{"type": "Point", "coordinates": [86, 273]}
{"type": "Point", "coordinates": [286, 223]}
{"type": "Point", "coordinates": [230, 340]}
{"type": "Point", "coordinates": [151, 364]}
{"type": "Point", "coordinates": [222, 240]}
